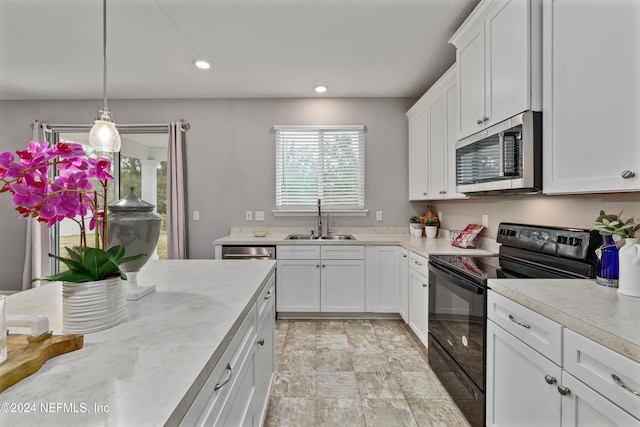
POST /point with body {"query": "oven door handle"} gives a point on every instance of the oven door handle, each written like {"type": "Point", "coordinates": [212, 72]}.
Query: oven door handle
{"type": "Point", "coordinates": [459, 280]}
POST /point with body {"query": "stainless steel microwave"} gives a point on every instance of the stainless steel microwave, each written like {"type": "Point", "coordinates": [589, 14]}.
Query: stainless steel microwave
{"type": "Point", "coordinates": [504, 158]}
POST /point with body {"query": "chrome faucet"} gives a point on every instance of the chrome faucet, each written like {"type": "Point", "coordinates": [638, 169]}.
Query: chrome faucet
{"type": "Point", "coordinates": [319, 219]}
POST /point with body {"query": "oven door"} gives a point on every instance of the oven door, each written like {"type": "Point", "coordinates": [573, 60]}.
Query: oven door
{"type": "Point", "coordinates": [457, 319]}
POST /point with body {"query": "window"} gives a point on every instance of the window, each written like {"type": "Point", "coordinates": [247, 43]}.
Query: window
{"type": "Point", "coordinates": [320, 162]}
{"type": "Point", "coordinates": [148, 176]}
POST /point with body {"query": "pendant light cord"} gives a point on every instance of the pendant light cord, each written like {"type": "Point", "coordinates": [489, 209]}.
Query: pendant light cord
{"type": "Point", "coordinates": [104, 54]}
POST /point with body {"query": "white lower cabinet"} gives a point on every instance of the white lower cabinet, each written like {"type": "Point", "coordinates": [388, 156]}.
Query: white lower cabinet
{"type": "Point", "coordinates": [237, 390]}
{"type": "Point", "coordinates": [383, 279]}
{"type": "Point", "coordinates": [419, 296]}
{"type": "Point", "coordinates": [539, 373]}
{"type": "Point", "coordinates": [517, 393]}
{"type": "Point", "coordinates": [320, 279]}
{"type": "Point", "coordinates": [404, 284]}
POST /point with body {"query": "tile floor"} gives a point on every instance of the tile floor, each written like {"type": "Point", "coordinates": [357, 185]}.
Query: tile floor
{"type": "Point", "coordinates": [355, 373]}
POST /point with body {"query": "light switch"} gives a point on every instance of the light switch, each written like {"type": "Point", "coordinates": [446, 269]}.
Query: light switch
{"type": "Point", "coordinates": [248, 215]}
{"type": "Point", "coordinates": [259, 215]}
{"type": "Point", "coordinates": [196, 215]}
{"type": "Point", "coordinates": [378, 215]}
{"type": "Point", "coordinates": [485, 220]}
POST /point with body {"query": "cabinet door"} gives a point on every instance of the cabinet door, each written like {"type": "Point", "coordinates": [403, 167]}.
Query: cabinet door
{"type": "Point", "coordinates": [404, 284]}
{"type": "Point", "coordinates": [582, 406]}
{"type": "Point", "coordinates": [521, 387]}
{"type": "Point", "coordinates": [384, 264]}
{"type": "Point", "coordinates": [508, 60]}
{"type": "Point", "coordinates": [298, 285]}
{"type": "Point", "coordinates": [471, 79]}
{"type": "Point", "coordinates": [591, 96]}
{"type": "Point", "coordinates": [437, 136]}
{"type": "Point", "coordinates": [419, 305]}
{"type": "Point", "coordinates": [418, 169]}
{"type": "Point", "coordinates": [451, 95]}
{"type": "Point", "coordinates": [265, 361]}
{"type": "Point", "coordinates": [342, 286]}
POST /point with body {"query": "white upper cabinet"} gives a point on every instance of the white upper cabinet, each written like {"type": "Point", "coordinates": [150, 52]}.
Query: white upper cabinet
{"type": "Point", "coordinates": [591, 120]}
{"type": "Point", "coordinates": [432, 137]}
{"type": "Point", "coordinates": [499, 63]}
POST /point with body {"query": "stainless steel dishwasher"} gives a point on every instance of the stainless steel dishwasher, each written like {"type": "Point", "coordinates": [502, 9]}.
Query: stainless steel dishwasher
{"type": "Point", "coordinates": [248, 252]}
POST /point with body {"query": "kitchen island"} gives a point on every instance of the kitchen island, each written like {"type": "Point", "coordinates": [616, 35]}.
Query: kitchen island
{"type": "Point", "coordinates": [148, 370]}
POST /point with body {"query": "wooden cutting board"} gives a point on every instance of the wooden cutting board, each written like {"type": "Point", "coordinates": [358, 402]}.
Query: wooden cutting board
{"type": "Point", "coordinates": [25, 356]}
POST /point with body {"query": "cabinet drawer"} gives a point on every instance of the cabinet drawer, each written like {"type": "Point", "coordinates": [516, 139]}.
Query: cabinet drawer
{"type": "Point", "coordinates": [342, 252]}
{"type": "Point", "coordinates": [419, 263]}
{"type": "Point", "coordinates": [209, 402]}
{"type": "Point", "coordinates": [267, 295]}
{"type": "Point", "coordinates": [595, 365]}
{"type": "Point", "coordinates": [540, 333]}
{"type": "Point", "coordinates": [298, 252]}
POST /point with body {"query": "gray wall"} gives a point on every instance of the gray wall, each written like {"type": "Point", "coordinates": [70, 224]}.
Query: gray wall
{"type": "Point", "coordinates": [231, 168]}
{"type": "Point", "coordinates": [230, 159]}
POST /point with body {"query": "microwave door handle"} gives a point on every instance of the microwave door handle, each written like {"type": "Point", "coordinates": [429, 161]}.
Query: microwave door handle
{"type": "Point", "coordinates": [501, 153]}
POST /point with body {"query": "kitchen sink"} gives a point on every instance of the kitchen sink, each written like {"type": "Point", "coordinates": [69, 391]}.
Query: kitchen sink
{"type": "Point", "coordinates": [338, 237]}
{"type": "Point", "coordinates": [311, 237]}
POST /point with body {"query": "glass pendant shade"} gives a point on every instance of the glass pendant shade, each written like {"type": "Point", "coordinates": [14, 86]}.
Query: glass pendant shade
{"type": "Point", "coordinates": [104, 136]}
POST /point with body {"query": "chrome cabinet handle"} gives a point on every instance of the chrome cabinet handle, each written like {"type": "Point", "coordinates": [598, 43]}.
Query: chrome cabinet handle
{"type": "Point", "coordinates": [479, 121]}
{"type": "Point", "coordinates": [317, 265]}
{"type": "Point", "coordinates": [404, 255]}
{"type": "Point", "coordinates": [485, 119]}
{"type": "Point", "coordinates": [627, 174]}
{"type": "Point", "coordinates": [563, 390]}
{"type": "Point", "coordinates": [618, 381]}
{"type": "Point", "coordinates": [424, 285]}
{"type": "Point", "coordinates": [323, 266]}
{"type": "Point", "coordinates": [226, 380]}
{"type": "Point", "coordinates": [417, 263]}
{"type": "Point", "coordinates": [549, 379]}
{"type": "Point", "coordinates": [261, 342]}
{"type": "Point", "coordinates": [268, 295]}
{"type": "Point", "coordinates": [424, 194]}
{"type": "Point", "coordinates": [524, 325]}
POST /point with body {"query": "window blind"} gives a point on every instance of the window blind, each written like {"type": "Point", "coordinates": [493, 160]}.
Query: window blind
{"type": "Point", "coordinates": [320, 162]}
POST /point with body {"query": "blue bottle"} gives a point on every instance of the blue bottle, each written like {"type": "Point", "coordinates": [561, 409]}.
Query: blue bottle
{"type": "Point", "coordinates": [607, 268]}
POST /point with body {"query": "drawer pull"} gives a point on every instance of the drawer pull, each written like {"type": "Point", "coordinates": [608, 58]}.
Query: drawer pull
{"type": "Point", "coordinates": [268, 295]}
{"type": "Point", "coordinates": [226, 380]}
{"type": "Point", "coordinates": [617, 380]}
{"type": "Point", "coordinates": [417, 263]}
{"type": "Point", "coordinates": [549, 379]}
{"type": "Point", "coordinates": [424, 285]}
{"type": "Point", "coordinates": [524, 325]}
{"type": "Point", "coordinates": [563, 390]}
{"type": "Point", "coordinates": [261, 342]}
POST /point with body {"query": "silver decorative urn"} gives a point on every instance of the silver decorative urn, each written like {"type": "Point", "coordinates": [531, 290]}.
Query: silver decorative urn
{"type": "Point", "coordinates": [133, 224]}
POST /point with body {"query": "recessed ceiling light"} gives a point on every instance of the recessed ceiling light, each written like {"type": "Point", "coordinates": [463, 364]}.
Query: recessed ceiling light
{"type": "Point", "coordinates": [202, 64]}
{"type": "Point", "coordinates": [320, 88]}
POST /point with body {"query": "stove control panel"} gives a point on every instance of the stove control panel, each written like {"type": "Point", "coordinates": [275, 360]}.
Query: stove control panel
{"type": "Point", "coordinates": [567, 242]}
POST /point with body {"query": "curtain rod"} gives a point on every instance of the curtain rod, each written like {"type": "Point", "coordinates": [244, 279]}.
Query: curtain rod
{"type": "Point", "coordinates": [131, 128]}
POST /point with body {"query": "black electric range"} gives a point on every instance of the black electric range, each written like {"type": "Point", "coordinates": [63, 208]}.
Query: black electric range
{"type": "Point", "coordinates": [458, 306]}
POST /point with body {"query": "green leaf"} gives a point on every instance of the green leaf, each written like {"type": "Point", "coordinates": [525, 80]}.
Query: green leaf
{"type": "Point", "coordinates": [68, 276]}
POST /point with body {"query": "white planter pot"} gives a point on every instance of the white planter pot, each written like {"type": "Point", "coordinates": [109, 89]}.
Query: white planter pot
{"type": "Point", "coordinates": [415, 231]}
{"type": "Point", "coordinates": [93, 306]}
{"type": "Point", "coordinates": [431, 231]}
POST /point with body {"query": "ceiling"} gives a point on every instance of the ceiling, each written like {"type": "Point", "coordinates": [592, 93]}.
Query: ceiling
{"type": "Point", "coordinates": [258, 48]}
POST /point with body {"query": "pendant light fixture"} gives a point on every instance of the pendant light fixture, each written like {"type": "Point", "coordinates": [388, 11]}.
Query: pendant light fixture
{"type": "Point", "coordinates": [103, 135]}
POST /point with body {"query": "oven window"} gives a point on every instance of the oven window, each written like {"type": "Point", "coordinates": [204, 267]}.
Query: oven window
{"type": "Point", "coordinates": [457, 313]}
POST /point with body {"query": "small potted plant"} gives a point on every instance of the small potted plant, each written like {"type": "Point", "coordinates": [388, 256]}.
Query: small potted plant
{"type": "Point", "coordinates": [415, 226]}
{"type": "Point", "coordinates": [431, 227]}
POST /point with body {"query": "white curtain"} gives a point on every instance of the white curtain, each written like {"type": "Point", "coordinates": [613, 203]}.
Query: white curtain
{"type": "Point", "coordinates": [177, 245]}
{"type": "Point", "coordinates": [37, 247]}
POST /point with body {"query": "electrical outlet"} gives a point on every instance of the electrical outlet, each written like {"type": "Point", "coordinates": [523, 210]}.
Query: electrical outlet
{"type": "Point", "coordinates": [248, 215]}
{"type": "Point", "coordinates": [485, 220]}
{"type": "Point", "coordinates": [378, 215]}
{"type": "Point", "coordinates": [196, 215]}
{"type": "Point", "coordinates": [259, 215]}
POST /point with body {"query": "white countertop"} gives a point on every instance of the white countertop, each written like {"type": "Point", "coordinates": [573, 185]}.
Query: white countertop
{"type": "Point", "coordinates": [148, 367]}
{"type": "Point", "coordinates": [422, 246]}
{"type": "Point", "coordinates": [595, 311]}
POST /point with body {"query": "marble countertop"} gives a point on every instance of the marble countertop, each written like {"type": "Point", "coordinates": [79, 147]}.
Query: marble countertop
{"type": "Point", "coordinates": [595, 311]}
{"type": "Point", "coordinates": [422, 246]}
{"type": "Point", "coordinates": [147, 370]}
